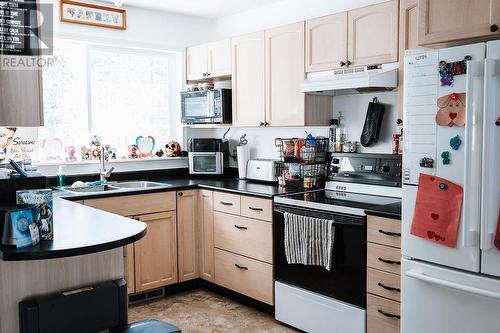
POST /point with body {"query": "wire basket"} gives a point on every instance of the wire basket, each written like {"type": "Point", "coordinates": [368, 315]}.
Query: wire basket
{"type": "Point", "coordinates": [307, 151]}
{"type": "Point", "coordinates": [302, 176]}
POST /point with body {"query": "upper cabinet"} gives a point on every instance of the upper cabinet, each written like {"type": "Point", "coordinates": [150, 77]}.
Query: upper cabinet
{"type": "Point", "coordinates": [21, 98]}
{"type": "Point", "coordinates": [284, 74]}
{"type": "Point", "coordinates": [326, 42]}
{"type": "Point", "coordinates": [373, 34]}
{"type": "Point", "coordinates": [450, 21]}
{"type": "Point", "coordinates": [248, 79]}
{"type": "Point", "coordinates": [208, 60]}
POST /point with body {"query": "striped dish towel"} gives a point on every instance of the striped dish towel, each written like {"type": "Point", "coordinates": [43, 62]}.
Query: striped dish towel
{"type": "Point", "coordinates": [309, 240]}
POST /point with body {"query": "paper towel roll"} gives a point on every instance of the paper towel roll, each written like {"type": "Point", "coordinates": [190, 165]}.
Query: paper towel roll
{"type": "Point", "coordinates": [243, 154]}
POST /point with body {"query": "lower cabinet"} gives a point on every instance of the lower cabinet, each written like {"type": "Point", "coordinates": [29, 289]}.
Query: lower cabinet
{"type": "Point", "coordinates": [187, 235]}
{"type": "Point", "coordinates": [128, 254]}
{"type": "Point", "coordinates": [206, 230]}
{"type": "Point", "coordinates": [156, 253]}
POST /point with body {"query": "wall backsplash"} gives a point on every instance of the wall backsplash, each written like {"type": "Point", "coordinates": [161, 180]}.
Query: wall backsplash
{"type": "Point", "coordinates": [261, 140]}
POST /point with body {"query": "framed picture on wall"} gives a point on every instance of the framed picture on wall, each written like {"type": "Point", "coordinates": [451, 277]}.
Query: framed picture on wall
{"type": "Point", "coordinates": [91, 14]}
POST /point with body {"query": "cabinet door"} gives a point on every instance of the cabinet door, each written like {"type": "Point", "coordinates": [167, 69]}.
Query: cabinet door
{"type": "Point", "coordinates": [408, 39]}
{"type": "Point", "coordinates": [285, 73]}
{"type": "Point", "coordinates": [206, 227]}
{"type": "Point", "coordinates": [21, 98]}
{"type": "Point", "coordinates": [156, 253]}
{"type": "Point", "coordinates": [196, 62]}
{"type": "Point", "coordinates": [128, 253]}
{"type": "Point", "coordinates": [326, 42]}
{"type": "Point", "coordinates": [373, 34]}
{"type": "Point", "coordinates": [219, 58]}
{"type": "Point", "coordinates": [187, 234]}
{"type": "Point", "coordinates": [248, 79]}
{"type": "Point", "coordinates": [442, 21]}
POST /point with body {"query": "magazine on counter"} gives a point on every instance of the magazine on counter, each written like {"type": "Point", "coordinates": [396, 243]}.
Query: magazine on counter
{"type": "Point", "coordinates": [42, 213]}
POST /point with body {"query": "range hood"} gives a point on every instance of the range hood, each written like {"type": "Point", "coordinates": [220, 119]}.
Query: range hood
{"type": "Point", "coordinates": [352, 80]}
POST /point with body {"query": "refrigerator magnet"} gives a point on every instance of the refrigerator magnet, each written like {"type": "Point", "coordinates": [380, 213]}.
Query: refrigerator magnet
{"type": "Point", "coordinates": [451, 110]}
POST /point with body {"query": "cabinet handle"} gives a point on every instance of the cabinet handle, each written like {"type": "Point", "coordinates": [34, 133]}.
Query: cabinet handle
{"type": "Point", "coordinates": [392, 262]}
{"type": "Point", "coordinates": [266, 123]}
{"type": "Point", "coordinates": [380, 284]}
{"type": "Point", "coordinates": [125, 252]}
{"type": "Point", "coordinates": [226, 203]}
{"type": "Point", "coordinates": [342, 64]}
{"type": "Point", "coordinates": [349, 63]}
{"type": "Point", "coordinates": [240, 227]}
{"type": "Point", "coordinates": [388, 233]}
{"type": "Point", "coordinates": [493, 28]}
{"type": "Point", "coordinates": [208, 74]}
{"type": "Point", "coordinates": [241, 267]}
{"type": "Point", "coordinates": [261, 123]}
{"type": "Point", "coordinates": [137, 218]}
{"type": "Point", "coordinates": [180, 194]}
{"type": "Point", "coordinates": [256, 209]}
{"type": "Point", "coordinates": [387, 314]}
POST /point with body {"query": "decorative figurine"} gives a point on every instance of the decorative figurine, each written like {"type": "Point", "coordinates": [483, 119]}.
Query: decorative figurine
{"type": "Point", "coordinates": [70, 154]}
{"type": "Point", "coordinates": [172, 149]}
{"type": "Point", "coordinates": [133, 151]}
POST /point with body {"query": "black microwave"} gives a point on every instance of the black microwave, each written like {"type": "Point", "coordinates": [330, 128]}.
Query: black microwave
{"type": "Point", "coordinates": [206, 106]}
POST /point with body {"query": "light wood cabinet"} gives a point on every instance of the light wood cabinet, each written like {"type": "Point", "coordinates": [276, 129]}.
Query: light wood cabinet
{"type": "Point", "coordinates": [207, 61]}
{"type": "Point", "coordinates": [326, 42]}
{"type": "Point", "coordinates": [21, 99]}
{"type": "Point", "coordinates": [131, 205]}
{"type": "Point", "coordinates": [373, 34]}
{"type": "Point", "coordinates": [196, 62]}
{"type": "Point", "coordinates": [156, 253]}
{"type": "Point", "coordinates": [451, 21]}
{"type": "Point", "coordinates": [219, 58]}
{"type": "Point", "coordinates": [206, 228]}
{"type": "Point", "coordinates": [285, 104]}
{"type": "Point", "coordinates": [128, 254]}
{"type": "Point", "coordinates": [187, 235]}
{"type": "Point", "coordinates": [248, 79]}
{"type": "Point", "coordinates": [382, 315]}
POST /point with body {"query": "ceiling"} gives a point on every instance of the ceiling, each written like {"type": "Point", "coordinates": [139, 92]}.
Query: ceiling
{"type": "Point", "coordinates": [203, 8]}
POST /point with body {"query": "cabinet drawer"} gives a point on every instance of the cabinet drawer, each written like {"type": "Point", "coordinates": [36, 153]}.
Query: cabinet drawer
{"type": "Point", "coordinates": [227, 203]}
{"type": "Point", "coordinates": [384, 258]}
{"type": "Point", "coordinates": [384, 231]}
{"type": "Point", "coordinates": [251, 238]}
{"type": "Point", "coordinates": [382, 315]}
{"type": "Point", "coordinates": [244, 275]}
{"type": "Point", "coordinates": [128, 205]}
{"type": "Point", "coordinates": [257, 208]}
{"type": "Point", "coordinates": [383, 284]}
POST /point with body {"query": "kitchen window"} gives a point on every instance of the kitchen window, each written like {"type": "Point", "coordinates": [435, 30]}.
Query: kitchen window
{"type": "Point", "coordinates": [114, 93]}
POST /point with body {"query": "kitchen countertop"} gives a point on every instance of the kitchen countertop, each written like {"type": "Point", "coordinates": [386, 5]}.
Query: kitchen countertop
{"type": "Point", "coordinates": [79, 230]}
{"type": "Point", "coordinates": [392, 211]}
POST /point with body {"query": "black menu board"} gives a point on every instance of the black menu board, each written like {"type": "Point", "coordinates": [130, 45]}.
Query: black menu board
{"type": "Point", "coordinates": [18, 28]}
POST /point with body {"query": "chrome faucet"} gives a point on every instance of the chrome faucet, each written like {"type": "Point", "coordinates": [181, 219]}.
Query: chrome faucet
{"type": "Point", "coordinates": [102, 171]}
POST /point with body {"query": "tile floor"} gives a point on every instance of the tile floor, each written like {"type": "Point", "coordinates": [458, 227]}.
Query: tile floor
{"type": "Point", "coordinates": [202, 311]}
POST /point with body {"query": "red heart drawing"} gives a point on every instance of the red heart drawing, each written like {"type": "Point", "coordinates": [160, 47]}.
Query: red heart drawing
{"type": "Point", "coordinates": [434, 216]}
{"type": "Point", "coordinates": [453, 115]}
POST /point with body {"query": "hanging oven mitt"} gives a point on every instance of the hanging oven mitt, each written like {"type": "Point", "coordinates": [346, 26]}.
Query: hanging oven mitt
{"type": "Point", "coordinates": [373, 121]}
{"type": "Point", "coordinates": [437, 210]}
{"type": "Point", "coordinates": [497, 234]}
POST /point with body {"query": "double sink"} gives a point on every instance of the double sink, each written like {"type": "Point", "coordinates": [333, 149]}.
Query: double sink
{"type": "Point", "coordinates": [115, 186]}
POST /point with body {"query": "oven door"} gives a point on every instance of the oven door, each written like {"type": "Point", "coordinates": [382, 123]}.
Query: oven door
{"type": "Point", "coordinates": [206, 163]}
{"type": "Point", "coordinates": [346, 281]}
{"type": "Point", "coordinates": [197, 107]}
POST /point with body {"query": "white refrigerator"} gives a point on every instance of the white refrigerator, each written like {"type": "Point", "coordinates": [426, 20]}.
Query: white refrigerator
{"type": "Point", "coordinates": [453, 289]}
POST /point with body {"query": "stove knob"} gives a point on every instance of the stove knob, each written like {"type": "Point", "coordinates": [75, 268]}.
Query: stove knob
{"type": "Point", "coordinates": [386, 168]}
{"type": "Point", "coordinates": [335, 161]}
{"type": "Point", "coordinates": [335, 169]}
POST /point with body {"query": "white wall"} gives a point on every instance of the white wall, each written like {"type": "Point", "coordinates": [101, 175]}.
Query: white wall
{"type": "Point", "coordinates": [281, 13]}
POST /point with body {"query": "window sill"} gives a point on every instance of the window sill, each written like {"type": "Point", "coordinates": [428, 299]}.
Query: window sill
{"type": "Point", "coordinates": [50, 169]}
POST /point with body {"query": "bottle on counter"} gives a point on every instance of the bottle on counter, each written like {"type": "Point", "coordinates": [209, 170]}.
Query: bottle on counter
{"type": "Point", "coordinates": [340, 134]}
{"type": "Point", "coordinates": [61, 178]}
{"type": "Point", "coordinates": [334, 123]}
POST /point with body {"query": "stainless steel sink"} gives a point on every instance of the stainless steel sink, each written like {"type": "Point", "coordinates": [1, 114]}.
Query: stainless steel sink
{"type": "Point", "coordinates": [140, 184]}
{"type": "Point", "coordinates": [90, 189]}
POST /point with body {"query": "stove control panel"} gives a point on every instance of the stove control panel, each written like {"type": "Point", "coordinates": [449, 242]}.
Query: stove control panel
{"type": "Point", "coordinates": [378, 169]}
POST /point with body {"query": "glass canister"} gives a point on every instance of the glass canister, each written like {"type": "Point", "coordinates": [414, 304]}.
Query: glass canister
{"type": "Point", "coordinates": [346, 147]}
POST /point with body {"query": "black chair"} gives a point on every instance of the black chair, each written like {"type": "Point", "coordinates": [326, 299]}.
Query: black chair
{"type": "Point", "coordinates": [93, 309]}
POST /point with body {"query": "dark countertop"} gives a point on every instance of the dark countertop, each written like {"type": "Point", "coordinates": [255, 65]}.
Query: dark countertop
{"type": "Point", "coordinates": [79, 230]}
{"type": "Point", "coordinates": [392, 211]}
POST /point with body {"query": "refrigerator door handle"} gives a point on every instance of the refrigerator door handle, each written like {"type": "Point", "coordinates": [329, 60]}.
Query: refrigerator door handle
{"type": "Point", "coordinates": [489, 188]}
{"type": "Point", "coordinates": [473, 141]}
{"type": "Point", "coordinates": [453, 285]}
